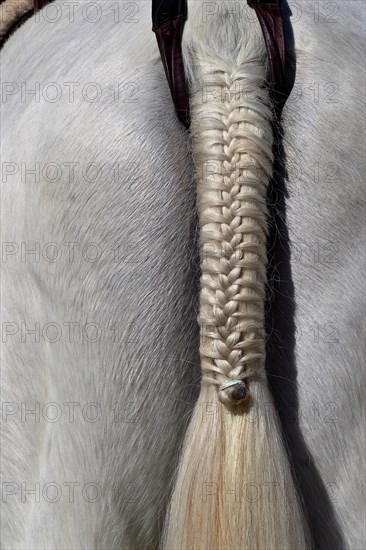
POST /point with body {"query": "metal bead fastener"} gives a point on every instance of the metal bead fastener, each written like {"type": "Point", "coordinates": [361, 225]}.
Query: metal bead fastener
{"type": "Point", "coordinates": [239, 393]}
{"type": "Point", "coordinates": [233, 392]}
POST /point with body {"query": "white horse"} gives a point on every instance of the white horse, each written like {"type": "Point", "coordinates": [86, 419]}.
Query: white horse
{"type": "Point", "coordinates": [100, 262]}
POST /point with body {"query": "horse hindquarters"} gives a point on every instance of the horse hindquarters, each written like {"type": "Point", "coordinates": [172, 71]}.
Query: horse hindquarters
{"type": "Point", "coordinates": [109, 366]}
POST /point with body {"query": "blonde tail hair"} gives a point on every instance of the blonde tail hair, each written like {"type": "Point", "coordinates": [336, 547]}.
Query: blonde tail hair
{"type": "Point", "coordinates": [234, 488]}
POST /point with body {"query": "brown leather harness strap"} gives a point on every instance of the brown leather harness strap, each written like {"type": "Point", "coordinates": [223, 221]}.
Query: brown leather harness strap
{"type": "Point", "coordinates": [272, 24]}
{"type": "Point", "coordinates": [169, 17]}
{"type": "Point", "coordinates": [169, 37]}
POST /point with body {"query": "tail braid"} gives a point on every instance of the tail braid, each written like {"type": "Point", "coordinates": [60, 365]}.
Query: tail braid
{"type": "Point", "coordinates": [227, 448]}
{"type": "Point", "coordinates": [232, 204]}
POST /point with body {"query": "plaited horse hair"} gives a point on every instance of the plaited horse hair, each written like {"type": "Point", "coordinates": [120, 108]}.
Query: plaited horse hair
{"type": "Point", "coordinates": [238, 444]}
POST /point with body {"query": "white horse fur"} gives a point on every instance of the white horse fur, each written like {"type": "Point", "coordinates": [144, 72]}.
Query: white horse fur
{"type": "Point", "coordinates": [99, 332]}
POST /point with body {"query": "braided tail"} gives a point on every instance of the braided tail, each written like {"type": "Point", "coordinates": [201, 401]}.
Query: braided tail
{"type": "Point", "coordinates": [234, 488]}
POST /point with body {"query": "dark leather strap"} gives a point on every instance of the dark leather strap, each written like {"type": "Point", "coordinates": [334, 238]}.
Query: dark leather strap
{"type": "Point", "coordinates": [272, 24]}
{"type": "Point", "coordinates": [169, 17]}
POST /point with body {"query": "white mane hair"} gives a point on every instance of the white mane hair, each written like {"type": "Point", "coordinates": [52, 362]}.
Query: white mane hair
{"type": "Point", "coordinates": [111, 292]}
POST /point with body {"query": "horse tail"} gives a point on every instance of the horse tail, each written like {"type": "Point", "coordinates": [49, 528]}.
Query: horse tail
{"type": "Point", "coordinates": [234, 487]}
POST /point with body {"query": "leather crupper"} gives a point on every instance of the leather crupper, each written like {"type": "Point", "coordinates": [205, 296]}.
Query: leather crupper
{"type": "Point", "coordinates": [272, 24]}
{"type": "Point", "coordinates": [169, 37]}
{"type": "Point", "coordinates": [169, 17]}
